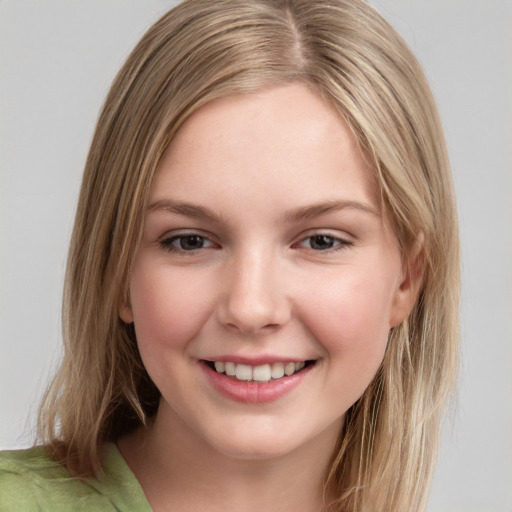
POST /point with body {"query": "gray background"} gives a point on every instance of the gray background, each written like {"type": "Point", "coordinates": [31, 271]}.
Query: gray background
{"type": "Point", "coordinates": [57, 59]}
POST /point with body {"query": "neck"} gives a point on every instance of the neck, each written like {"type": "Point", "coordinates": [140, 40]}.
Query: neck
{"type": "Point", "coordinates": [178, 470]}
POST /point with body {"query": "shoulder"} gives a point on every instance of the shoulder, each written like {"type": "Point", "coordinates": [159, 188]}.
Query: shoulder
{"type": "Point", "coordinates": [30, 480]}
{"type": "Point", "coordinates": [29, 461]}
{"type": "Point", "coordinates": [25, 477]}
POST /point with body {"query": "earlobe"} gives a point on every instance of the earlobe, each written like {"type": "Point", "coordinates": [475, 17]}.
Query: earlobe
{"type": "Point", "coordinates": [125, 312]}
{"type": "Point", "coordinates": [411, 284]}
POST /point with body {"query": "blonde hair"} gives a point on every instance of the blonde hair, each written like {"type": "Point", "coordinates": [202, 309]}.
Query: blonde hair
{"type": "Point", "coordinates": [205, 49]}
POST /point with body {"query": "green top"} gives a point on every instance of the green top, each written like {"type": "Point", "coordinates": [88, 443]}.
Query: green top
{"type": "Point", "coordinates": [31, 481]}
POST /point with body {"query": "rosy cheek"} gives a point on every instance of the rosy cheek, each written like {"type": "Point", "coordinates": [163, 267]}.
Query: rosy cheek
{"type": "Point", "coordinates": [166, 310]}
{"type": "Point", "coordinates": [349, 317]}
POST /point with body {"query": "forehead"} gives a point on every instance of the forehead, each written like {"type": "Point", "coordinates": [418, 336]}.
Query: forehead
{"type": "Point", "coordinates": [282, 138]}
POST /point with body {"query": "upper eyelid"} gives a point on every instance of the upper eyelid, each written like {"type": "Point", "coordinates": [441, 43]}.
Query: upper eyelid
{"type": "Point", "coordinates": [185, 235]}
{"type": "Point", "coordinates": [177, 233]}
{"type": "Point", "coordinates": [332, 233]}
{"type": "Point", "coordinates": [326, 234]}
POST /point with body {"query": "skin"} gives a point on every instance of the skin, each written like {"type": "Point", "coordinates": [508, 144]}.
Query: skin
{"type": "Point", "coordinates": [259, 285]}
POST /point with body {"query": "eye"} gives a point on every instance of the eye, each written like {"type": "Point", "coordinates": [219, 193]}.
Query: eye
{"type": "Point", "coordinates": [187, 242]}
{"type": "Point", "coordinates": [323, 242]}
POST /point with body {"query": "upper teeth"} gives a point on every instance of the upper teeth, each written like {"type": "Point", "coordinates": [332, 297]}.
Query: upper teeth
{"type": "Point", "coordinates": [262, 373]}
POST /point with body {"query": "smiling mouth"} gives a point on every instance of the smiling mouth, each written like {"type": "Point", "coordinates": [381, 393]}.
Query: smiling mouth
{"type": "Point", "coordinates": [261, 373]}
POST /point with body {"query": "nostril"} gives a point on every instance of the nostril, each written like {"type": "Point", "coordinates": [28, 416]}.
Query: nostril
{"type": "Point", "coordinates": [251, 328]}
{"type": "Point", "coordinates": [251, 301]}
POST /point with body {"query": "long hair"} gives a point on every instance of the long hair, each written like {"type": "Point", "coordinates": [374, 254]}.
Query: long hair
{"type": "Point", "coordinates": [202, 50]}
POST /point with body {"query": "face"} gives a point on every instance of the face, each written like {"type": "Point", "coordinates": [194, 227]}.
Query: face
{"type": "Point", "coordinates": [267, 280]}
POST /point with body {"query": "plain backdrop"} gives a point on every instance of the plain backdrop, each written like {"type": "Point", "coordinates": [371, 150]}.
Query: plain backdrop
{"type": "Point", "coordinates": [57, 59]}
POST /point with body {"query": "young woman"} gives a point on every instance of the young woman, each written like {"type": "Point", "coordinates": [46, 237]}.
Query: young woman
{"type": "Point", "coordinates": [261, 299]}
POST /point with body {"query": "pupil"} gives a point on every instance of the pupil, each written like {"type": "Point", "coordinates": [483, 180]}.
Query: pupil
{"type": "Point", "coordinates": [321, 242]}
{"type": "Point", "coordinates": [191, 242]}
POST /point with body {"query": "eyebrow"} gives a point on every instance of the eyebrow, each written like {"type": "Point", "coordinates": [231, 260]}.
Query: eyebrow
{"type": "Point", "coordinates": [182, 208]}
{"type": "Point", "coordinates": [325, 207]}
{"type": "Point", "coordinates": [295, 215]}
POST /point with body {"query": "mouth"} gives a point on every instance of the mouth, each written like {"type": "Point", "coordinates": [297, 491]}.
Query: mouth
{"type": "Point", "coordinates": [261, 373]}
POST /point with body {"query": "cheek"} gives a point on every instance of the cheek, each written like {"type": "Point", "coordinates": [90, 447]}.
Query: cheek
{"type": "Point", "coordinates": [350, 319]}
{"type": "Point", "coordinates": [166, 309]}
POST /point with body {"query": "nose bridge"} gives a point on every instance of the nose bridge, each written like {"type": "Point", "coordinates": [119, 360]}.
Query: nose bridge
{"type": "Point", "coordinates": [253, 296]}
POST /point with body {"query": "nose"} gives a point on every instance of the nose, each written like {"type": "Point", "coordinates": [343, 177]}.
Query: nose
{"type": "Point", "coordinates": [253, 298]}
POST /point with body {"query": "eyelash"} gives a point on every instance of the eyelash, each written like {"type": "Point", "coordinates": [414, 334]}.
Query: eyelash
{"type": "Point", "coordinates": [168, 243]}
{"type": "Point", "coordinates": [340, 243]}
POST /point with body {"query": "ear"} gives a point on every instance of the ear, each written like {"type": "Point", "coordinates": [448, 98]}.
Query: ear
{"type": "Point", "coordinates": [125, 311]}
{"type": "Point", "coordinates": [411, 281]}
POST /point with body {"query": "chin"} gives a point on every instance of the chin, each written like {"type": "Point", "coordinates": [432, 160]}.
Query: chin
{"type": "Point", "coordinates": [255, 450]}
{"type": "Point", "coordinates": [269, 442]}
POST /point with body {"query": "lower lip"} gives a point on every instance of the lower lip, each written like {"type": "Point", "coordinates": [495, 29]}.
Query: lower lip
{"type": "Point", "coordinates": [254, 392]}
